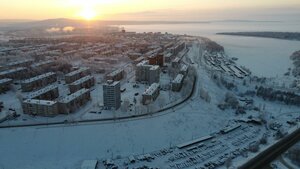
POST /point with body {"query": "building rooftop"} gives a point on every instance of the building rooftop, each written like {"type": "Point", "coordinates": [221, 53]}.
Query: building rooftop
{"type": "Point", "coordinates": [5, 80]}
{"type": "Point", "coordinates": [40, 102]}
{"type": "Point", "coordinates": [20, 62]}
{"type": "Point", "coordinates": [178, 78]}
{"type": "Point", "coordinates": [42, 63]}
{"type": "Point", "coordinates": [184, 68]}
{"type": "Point", "coordinates": [38, 77]}
{"type": "Point", "coordinates": [77, 71]}
{"type": "Point", "coordinates": [142, 63]}
{"type": "Point", "coordinates": [111, 83]}
{"type": "Point", "coordinates": [114, 73]}
{"type": "Point", "coordinates": [12, 70]}
{"type": "Point", "coordinates": [75, 95]}
{"type": "Point", "coordinates": [84, 79]}
{"type": "Point", "coordinates": [154, 67]}
{"type": "Point", "coordinates": [41, 91]}
{"type": "Point", "coordinates": [153, 88]}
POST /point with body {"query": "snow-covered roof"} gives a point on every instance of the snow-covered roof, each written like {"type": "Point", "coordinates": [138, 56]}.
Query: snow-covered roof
{"type": "Point", "coordinates": [74, 95]}
{"type": "Point", "coordinates": [6, 80]}
{"type": "Point", "coordinates": [77, 71]}
{"type": "Point", "coordinates": [42, 91]}
{"type": "Point", "coordinates": [38, 77]}
{"type": "Point", "coordinates": [153, 88]}
{"type": "Point", "coordinates": [84, 79]}
{"type": "Point", "coordinates": [89, 164]}
{"type": "Point", "coordinates": [12, 70]}
{"type": "Point", "coordinates": [40, 102]}
{"type": "Point", "coordinates": [178, 78]}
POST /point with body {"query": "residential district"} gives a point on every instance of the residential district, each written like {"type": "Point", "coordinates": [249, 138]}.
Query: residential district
{"type": "Point", "coordinates": [120, 76]}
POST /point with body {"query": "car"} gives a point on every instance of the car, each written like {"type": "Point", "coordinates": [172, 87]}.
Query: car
{"type": "Point", "coordinates": [136, 94]}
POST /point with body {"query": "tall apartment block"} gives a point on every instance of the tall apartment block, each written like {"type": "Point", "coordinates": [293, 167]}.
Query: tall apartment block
{"type": "Point", "coordinates": [85, 82]}
{"type": "Point", "coordinates": [77, 74]}
{"type": "Point", "coordinates": [112, 95]}
{"type": "Point", "coordinates": [38, 81]}
{"type": "Point", "coordinates": [147, 73]}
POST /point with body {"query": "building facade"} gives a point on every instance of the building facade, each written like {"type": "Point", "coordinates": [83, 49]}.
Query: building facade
{"type": "Point", "coordinates": [40, 107]}
{"type": "Point", "coordinates": [85, 82]}
{"type": "Point", "coordinates": [112, 95]}
{"type": "Point", "coordinates": [177, 83]}
{"type": "Point", "coordinates": [77, 74]}
{"type": "Point", "coordinates": [150, 94]}
{"type": "Point", "coordinates": [38, 81]}
{"type": "Point", "coordinates": [147, 73]}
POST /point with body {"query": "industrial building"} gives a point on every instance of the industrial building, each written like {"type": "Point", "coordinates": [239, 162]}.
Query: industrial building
{"type": "Point", "coordinates": [147, 73]}
{"type": "Point", "coordinates": [85, 82]}
{"type": "Point", "coordinates": [177, 83]}
{"type": "Point", "coordinates": [16, 73]}
{"type": "Point", "coordinates": [77, 74]}
{"type": "Point", "coordinates": [112, 95]}
{"type": "Point", "coordinates": [150, 94]}
{"type": "Point", "coordinates": [40, 107]}
{"type": "Point", "coordinates": [72, 102]}
{"type": "Point", "coordinates": [38, 81]}
{"type": "Point", "coordinates": [116, 75]}
{"type": "Point", "coordinates": [5, 84]}
{"type": "Point", "coordinates": [48, 93]}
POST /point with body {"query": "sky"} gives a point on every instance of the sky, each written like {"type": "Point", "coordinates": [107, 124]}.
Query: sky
{"type": "Point", "coordinates": [199, 10]}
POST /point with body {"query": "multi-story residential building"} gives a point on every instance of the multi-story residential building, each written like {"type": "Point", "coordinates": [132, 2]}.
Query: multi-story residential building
{"type": "Point", "coordinates": [43, 64]}
{"type": "Point", "coordinates": [16, 73]}
{"type": "Point", "coordinates": [77, 74]}
{"type": "Point", "coordinates": [48, 93]}
{"type": "Point", "coordinates": [38, 81]}
{"type": "Point", "coordinates": [177, 82]}
{"type": "Point", "coordinates": [150, 94]}
{"type": "Point", "coordinates": [116, 75]}
{"type": "Point", "coordinates": [184, 69]}
{"type": "Point", "coordinates": [112, 95]}
{"type": "Point", "coordinates": [40, 107]}
{"type": "Point", "coordinates": [85, 82]}
{"type": "Point", "coordinates": [147, 73]}
{"type": "Point", "coordinates": [20, 63]}
{"type": "Point", "coordinates": [72, 102]}
{"type": "Point", "coordinates": [5, 84]}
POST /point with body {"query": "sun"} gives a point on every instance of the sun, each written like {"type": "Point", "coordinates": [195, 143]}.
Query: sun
{"type": "Point", "coordinates": [88, 13]}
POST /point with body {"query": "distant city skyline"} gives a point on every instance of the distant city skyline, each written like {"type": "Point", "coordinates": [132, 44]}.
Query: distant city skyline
{"type": "Point", "coordinates": [192, 10]}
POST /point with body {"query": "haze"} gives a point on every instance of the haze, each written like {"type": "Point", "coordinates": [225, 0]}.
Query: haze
{"type": "Point", "coordinates": [150, 9]}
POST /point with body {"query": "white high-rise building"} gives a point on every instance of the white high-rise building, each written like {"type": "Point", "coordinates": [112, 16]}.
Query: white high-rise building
{"type": "Point", "coordinates": [112, 95]}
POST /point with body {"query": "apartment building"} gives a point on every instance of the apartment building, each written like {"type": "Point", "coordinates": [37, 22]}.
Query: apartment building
{"type": "Point", "coordinates": [177, 83]}
{"type": "Point", "coordinates": [40, 107]}
{"type": "Point", "coordinates": [112, 95]}
{"type": "Point", "coordinates": [48, 93]}
{"type": "Point", "coordinates": [85, 82]}
{"type": "Point", "coordinates": [77, 74]}
{"type": "Point", "coordinates": [72, 102]}
{"type": "Point", "coordinates": [147, 73]}
{"type": "Point", "coordinates": [16, 73]}
{"type": "Point", "coordinates": [150, 94]}
{"type": "Point", "coordinates": [5, 84]}
{"type": "Point", "coordinates": [116, 75]}
{"type": "Point", "coordinates": [38, 81]}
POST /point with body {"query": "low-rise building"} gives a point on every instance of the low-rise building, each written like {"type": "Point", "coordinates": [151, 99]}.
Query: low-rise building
{"type": "Point", "coordinates": [72, 102]}
{"type": "Point", "coordinates": [176, 62]}
{"type": "Point", "coordinates": [16, 73]}
{"type": "Point", "coordinates": [177, 82]}
{"type": "Point", "coordinates": [150, 94]}
{"type": "Point", "coordinates": [112, 95]}
{"type": "Point", "coordinates": [77, 74]}
{"type": "Point", "coordinates": [48, 93]}
{"type": "Point", "coordinates": [20, 63]}
{"type": "Point", "coordinates": [43, 64]}
{"type": "Point", "coordinates": [116, 75]}
{"type": "Point", "coordinates": [5, 84]}
{"type": "Point", "coordinates": [40, 107]}
{"type": "Point", "coordinates": [38, 81]}
{"type": "Point", "coordinates": [85, 82]}
{"type": "Point", "coordinates": [184, 69]}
